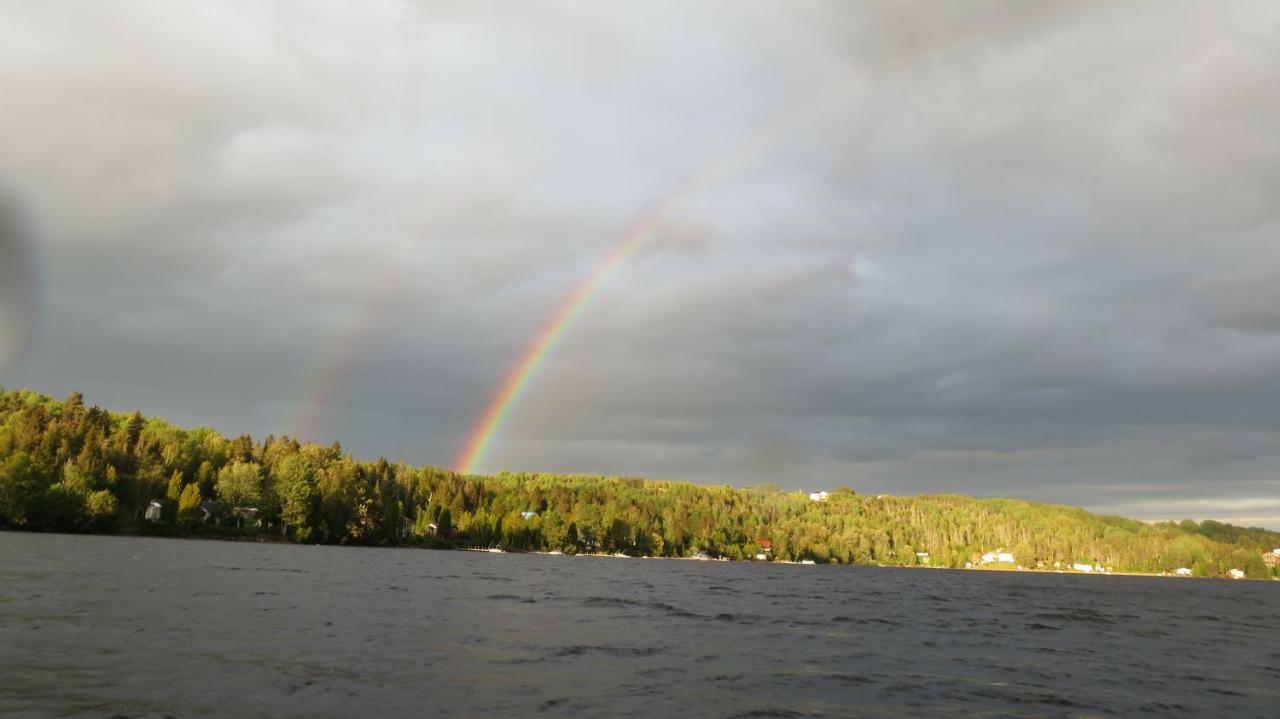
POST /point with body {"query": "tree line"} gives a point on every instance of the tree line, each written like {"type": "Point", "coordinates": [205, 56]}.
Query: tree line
{"type": "Point", "coordinates": [65, 466]}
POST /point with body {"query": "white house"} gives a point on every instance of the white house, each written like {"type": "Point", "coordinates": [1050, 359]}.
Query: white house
{"type": "Point", "coordinates": [1082, 567]}
{"type": "Point", "coordinates": [1183, 571]}
{"type": "Point", "coordinates": [1000, 556]}
{"type": "Point", "coordinates": [1235, 573]}
{"type": "Point", "coordinates": [819, 496]}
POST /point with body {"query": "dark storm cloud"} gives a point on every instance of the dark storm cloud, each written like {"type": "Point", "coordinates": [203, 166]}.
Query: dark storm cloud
{"type": "Point", "coordinates": [19, 280]}
{"type": "Point", "coordinates": [994, 248]}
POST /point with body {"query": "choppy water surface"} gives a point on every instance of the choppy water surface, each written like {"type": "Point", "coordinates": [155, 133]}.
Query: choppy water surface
{"type": "Point", "coordinates": [106, 626]}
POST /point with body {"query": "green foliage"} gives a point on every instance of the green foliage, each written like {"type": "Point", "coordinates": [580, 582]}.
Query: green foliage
{"type": "Point", "coordinates": [189, 504]}
{"type": "Point", "coordinates": [296, 486]}
{"type": "Point", "coordinates": [239, 484]}
{"type": "Point", "coordinates": [100, 508]}
{"type": "Point", "coordinates": [68, 467]}
{"type": "Point", "coordinates": [101, 504]}
{"type": "Point", "coordinates": [21, 489]}
{"type": "Point", "coordinates": [174, 491]}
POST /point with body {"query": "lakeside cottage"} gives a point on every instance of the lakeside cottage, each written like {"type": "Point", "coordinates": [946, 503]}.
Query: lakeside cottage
{"type": "Point", "coordinates": [154, 511]}
{"type": "Point", "coordinates": [1235, 574]}
{"type": "Point", "coordinates": [433, 529]}
{"type": "Point", "coordinates": [766, 549]}
{"type": "Point", "coordinates": [999, 556]}
{"type": "Point", "coordinates": [1183, 571]}
{"type": "Point", "coordinates": [1082, 567]}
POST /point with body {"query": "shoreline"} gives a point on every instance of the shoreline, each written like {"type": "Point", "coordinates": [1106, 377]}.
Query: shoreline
{"type": "Point", "coordinates": [277, 539]}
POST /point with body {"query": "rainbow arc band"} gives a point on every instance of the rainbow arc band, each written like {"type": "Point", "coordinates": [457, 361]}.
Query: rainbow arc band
{"type": "Point", "coordinates": [499, 408]}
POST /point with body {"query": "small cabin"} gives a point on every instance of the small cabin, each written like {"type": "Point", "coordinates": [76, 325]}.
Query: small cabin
{"type": "Point", "coordinates": [433, 529]}
{"type": "Point", "coordinates": [766, 550]}
{"type": "Point", "coordinates": [1235, 574]}
{"type": "Point", "coordinates": [154, 511]}
{"type": "Point", "coordinates": [1183, 571]}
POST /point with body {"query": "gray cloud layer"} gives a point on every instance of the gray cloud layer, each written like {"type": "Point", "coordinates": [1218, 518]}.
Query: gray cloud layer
{"type": "Point", "coordinates": [991, 248]}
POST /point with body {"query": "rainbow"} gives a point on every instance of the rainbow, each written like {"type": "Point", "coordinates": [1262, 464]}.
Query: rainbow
{"type": "Point", "coordinates": [499, 407]}
{"type": "Point", "coordinates": [757, 143]}
{"type": "Point", "coordinates": [323, 378]}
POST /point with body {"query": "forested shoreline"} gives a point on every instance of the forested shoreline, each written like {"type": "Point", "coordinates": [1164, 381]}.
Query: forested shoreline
{"type": "Point", "coordinates": [65, 466]}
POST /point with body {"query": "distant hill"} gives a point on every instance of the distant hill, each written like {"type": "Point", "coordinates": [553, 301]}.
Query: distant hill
{"type": "Point", "coordinates": [65, 466]}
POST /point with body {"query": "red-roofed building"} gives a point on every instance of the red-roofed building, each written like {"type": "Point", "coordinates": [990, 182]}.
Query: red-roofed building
{"type": "Point", "coordinates": [766, 549]}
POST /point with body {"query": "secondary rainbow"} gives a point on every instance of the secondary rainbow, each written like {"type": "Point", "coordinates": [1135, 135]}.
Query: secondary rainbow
{"type": "Point", "coordinates": [322, 379]}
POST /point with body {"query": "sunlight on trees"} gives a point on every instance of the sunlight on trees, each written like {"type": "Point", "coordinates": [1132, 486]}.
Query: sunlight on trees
{"type": "Point", "coordinates": [67, 467]}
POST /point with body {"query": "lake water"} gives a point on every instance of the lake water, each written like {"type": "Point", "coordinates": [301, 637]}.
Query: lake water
{"type": "Point", "coordinates": [109, 626]}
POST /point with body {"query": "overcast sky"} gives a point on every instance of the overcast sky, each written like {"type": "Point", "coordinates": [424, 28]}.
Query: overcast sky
{"type": "Point", "coordinates": [1002, 249]}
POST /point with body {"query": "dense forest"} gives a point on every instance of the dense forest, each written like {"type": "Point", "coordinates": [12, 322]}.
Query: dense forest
{"type": "Point", "coordinates": [66, 467]}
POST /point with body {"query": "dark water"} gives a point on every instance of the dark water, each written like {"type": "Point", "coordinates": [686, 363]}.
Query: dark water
{"type": "Point", "coordinates": [106, 626]}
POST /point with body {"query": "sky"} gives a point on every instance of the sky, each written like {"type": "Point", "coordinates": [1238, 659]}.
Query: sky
{"type": "Point", "coordinates": [991, 248]}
